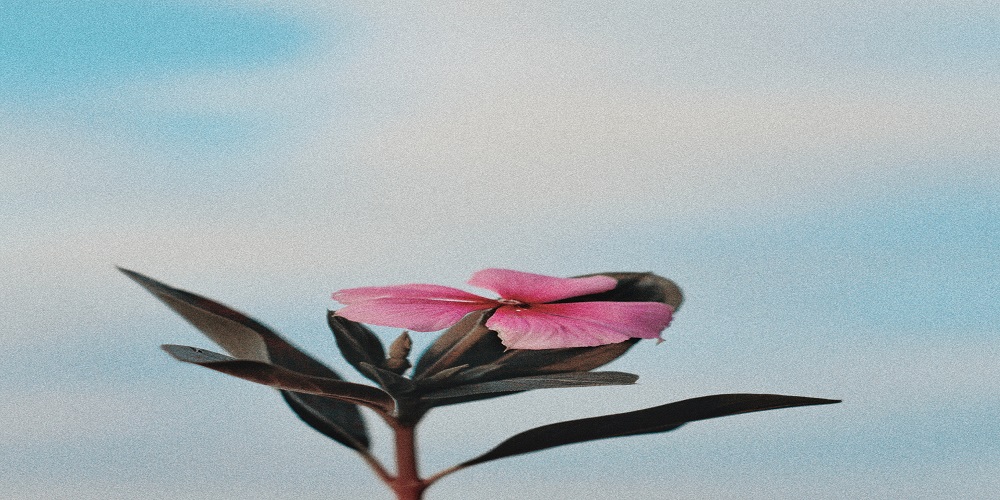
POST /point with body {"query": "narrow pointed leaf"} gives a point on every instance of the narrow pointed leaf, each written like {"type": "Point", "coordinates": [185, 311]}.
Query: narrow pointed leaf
{"type": "Point", "coordinates": [245, 337]}
{"type": "Point", "coordinates": [392, 382]}
{"type": "Point", "coordinates": [580, 379]}
{"type": "Point", "coordinates": [518, 362]}
{"type": "Point", "coordinates": [357, 343]}
{"type": "Point", "coordinates": [239, 335]}
{"type": "Point", "coordinates": [316, 411]}
{"type": "Point", "coordinates": [445, 377]}
{"type": "Point", "coordinates": [468, 342]}
{"type": "Point", "coordinates": [467, 374]}
{"type": "Point", "coordinates": [651, 420]}
{"type": "Point", "coordinates": [458, 376]}
{"type": "Point", "coordinates": [283, 378]}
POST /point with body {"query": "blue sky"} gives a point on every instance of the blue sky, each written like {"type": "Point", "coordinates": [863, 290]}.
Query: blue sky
{"type": "Point", "coordinates": [821, 181]}
{"type": "Point", "coordinates": [64, 47]}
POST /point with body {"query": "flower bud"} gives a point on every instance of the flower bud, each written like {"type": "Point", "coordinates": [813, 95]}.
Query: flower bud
{"type": "Point", "coordinates": [398, 352]}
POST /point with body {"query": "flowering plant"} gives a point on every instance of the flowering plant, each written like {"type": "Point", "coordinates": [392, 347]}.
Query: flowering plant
{"type": "Point", "coordinates": [542, 333]}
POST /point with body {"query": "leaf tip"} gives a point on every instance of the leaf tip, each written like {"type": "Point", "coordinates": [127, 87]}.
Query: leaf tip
{"type": "Point", "coordinates": [143, 280]}
{"type": "Point", "coordinates": [176, 351]}
{"type": "Point", "coordinates": [194, 355]}
{"type": "Point", "coordinates": [128, 272]}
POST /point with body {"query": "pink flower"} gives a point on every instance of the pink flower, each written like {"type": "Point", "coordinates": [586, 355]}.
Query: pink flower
{"type": "Point", "coordinates": [526, 315]}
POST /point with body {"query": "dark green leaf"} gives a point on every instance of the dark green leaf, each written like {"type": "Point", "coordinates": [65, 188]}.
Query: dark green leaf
{"type": "Point", "coordinates": [448, 376]}
{"type": "Point", "coordinates": [357, 343]}
{"type": "Point", "coordinates": [468, 342]}
{"type": "Point", "coordinates": [636, 287]}
{"type": "Point", "coordinates": [561, 380]}
{"type": "Point", "coordinates": [517, 362]}
{"type": "Point", "coordinates": [651, 420]}
{"type": "Point", "coordinates": [392, 382]}
{"type": "Point", "coordinates": [465, 374]}
{"type": "Point", "coordinates": [247, 338]}
{"type": "Point", "coordinates": [283, 378]}
{"type": "Point", "coordinates": [239, 335]}
{"type": "Point", "coordinates": [316, 411]}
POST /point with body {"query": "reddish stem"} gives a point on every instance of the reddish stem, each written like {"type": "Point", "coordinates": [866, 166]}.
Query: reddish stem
{"type": "Point", "coordinates": [407, 484]}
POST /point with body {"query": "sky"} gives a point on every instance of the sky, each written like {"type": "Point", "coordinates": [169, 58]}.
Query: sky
{"type": "Point", "coordinates": [821, 180]}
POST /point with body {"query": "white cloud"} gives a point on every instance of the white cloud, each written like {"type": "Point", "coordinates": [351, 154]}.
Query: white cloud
{"type": "Point", "coordinates": [514, 114]}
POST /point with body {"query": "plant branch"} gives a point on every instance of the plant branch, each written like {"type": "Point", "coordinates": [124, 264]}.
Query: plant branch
{"type": "Point", "coordinates": [433, 479]}
{"type": "Point", "coordinates": [377, 467]}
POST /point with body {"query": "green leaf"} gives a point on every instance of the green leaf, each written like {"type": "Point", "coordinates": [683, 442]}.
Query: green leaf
{"type": "Point", "coordinates": [357, 343]}
{"type": "Point", "coordinates": [636, 287]}
{"type": "Point", "coordinates": [561, 380]}
{"type": "Point", "coordinates": [468, 342]}
{"type": "Point", "coordinates": [517, 362]}
{"type": "Point", "coordinates": [450, 376]}
{"type": "Point", "coordinates": [244, 337]}
{"type": "Point", "coordinates": [323, 414]}
{"type": "Point", "coordinates": [392, 382]}
{"type": "Point", "coordinates": [283, 378]}
{"type": "Point", "coordinates": [651, 420]}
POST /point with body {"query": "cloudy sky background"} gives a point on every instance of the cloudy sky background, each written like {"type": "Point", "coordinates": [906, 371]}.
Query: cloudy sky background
{"type": "Point", "coordinates": [822, 182]}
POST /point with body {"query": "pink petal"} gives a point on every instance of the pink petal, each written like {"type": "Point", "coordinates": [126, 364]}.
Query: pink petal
{"type": "Point", "coordinates": [578, 324]}
{"type": "Point", "coordinates": [537, 288]}
{"type": "Point", "coordinates": [421, 308]}
{"type": "Point", "coordinates": [351, 295]}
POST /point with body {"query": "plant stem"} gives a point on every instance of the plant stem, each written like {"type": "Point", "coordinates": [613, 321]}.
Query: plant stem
{"type": "Point", "coordinates": [407, 484]}
{"type": "Point", "coordinates": [433, 479]}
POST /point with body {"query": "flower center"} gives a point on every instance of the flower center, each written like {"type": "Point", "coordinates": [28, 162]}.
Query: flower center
{"type": "Point", "coordinates": [518, 305]}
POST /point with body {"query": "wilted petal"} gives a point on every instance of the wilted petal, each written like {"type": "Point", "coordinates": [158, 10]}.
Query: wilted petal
{"type": "Point", "coordinates": [421, 308]}
{"type": "Point", "coordinates": [578, 324]}
{"type": "Point", "coordinates": [537, 288]}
